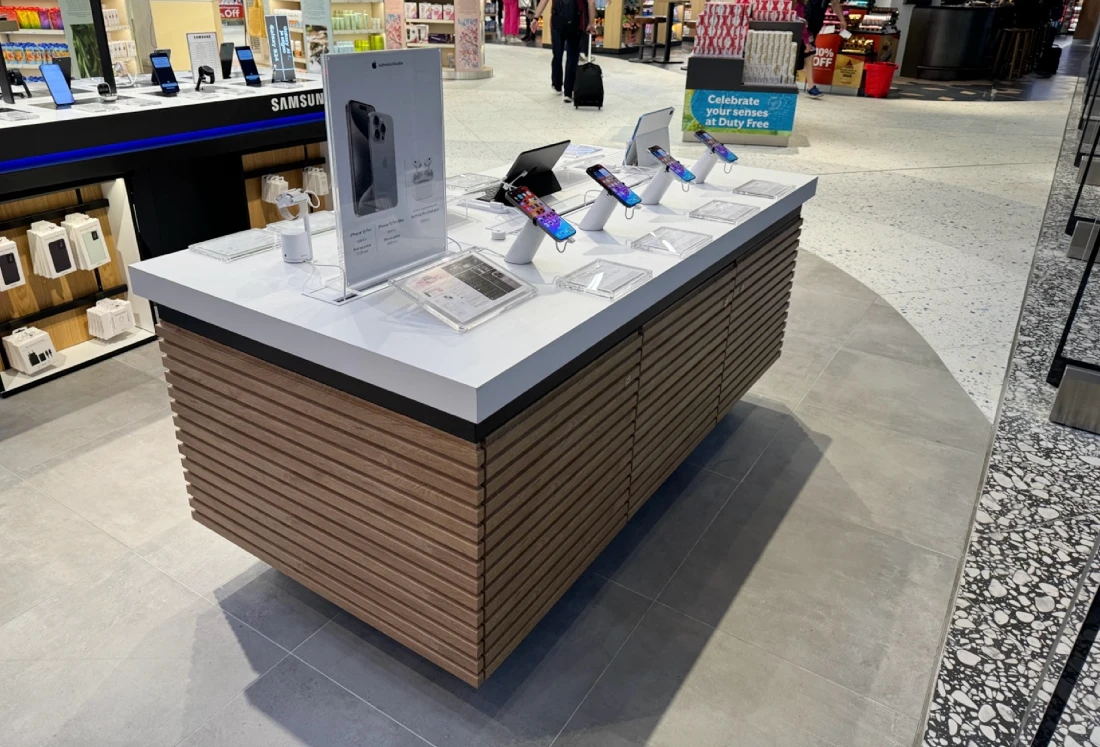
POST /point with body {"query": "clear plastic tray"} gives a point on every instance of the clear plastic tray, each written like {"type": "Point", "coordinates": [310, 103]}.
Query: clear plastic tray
{"type": "Point", "coordinates": [463, 290]}
{"type": "Point", "coordinates": [725, 211]}
{"type": "Point", "coordinates": [763, 188]}
{"type": "Point", "coordinates": [236, 245]}
{"type": "Point", "coordinates": [465, 184]}
{"type": "Point", "coordinates": [321, 221]}
{"type": "Point", "coordinates": [672, 241]}
{"type": "Point", "coordinates": [609, 280]}
{"type": "Point", "coordinates": [14, 115]}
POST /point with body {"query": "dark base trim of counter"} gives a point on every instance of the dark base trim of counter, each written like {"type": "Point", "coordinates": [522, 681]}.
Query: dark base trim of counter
{"type": "Point", "coordinates": [446, 422]}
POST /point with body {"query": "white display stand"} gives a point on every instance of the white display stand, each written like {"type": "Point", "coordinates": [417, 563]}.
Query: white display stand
{"type": "Point", "coordinates": [656, 188]}
{"type": "Point", "coordinates": [596, 217]}
{"type": "Point", "coordinates": [702, 166]}
{"type": "Point", "coordinates": [526, 245]}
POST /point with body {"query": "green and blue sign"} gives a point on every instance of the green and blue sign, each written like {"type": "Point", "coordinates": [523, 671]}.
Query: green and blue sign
{"type": "Point", "coordinates": [743, 112]}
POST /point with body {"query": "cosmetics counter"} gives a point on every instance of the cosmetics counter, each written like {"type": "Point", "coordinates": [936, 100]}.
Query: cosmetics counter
{"type": "Point", "coordinates": [158, 173]}
{"type": "Point", "coordinates": [444, 475]}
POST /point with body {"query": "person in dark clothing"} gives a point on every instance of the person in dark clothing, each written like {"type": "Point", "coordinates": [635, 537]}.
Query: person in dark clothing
{"type": "Point", "coordinates": [570, 21]}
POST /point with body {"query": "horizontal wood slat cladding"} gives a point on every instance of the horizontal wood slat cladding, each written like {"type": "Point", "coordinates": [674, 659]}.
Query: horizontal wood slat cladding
{"type": "Point", "coordinates": [455, 549]}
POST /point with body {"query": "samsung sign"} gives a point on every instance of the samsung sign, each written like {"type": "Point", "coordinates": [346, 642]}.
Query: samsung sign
{"type": "Point", "coordinates": [297, 101]}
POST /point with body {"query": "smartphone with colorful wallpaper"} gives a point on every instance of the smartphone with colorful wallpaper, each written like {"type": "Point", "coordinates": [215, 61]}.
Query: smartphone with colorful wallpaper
{"type": "Point", "coordinates": [553, 224]}
{"type": "Point", "coordinates": [618, 190]}
{"type": "Point", "coordinates": [673, 165]}
{"type": "Point", "coordinates": [715, 147]}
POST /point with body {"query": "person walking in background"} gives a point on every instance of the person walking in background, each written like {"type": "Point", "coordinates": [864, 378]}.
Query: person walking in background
{"type": "Point", "coordinates": [813, 13]}
{"type": "Point", "coordinates": [570, 20]}
{"type": "Point", "coordinates": [511, 21]}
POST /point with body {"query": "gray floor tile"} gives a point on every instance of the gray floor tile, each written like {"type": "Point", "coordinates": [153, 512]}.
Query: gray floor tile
{"type": "Point", "coordinates": [145, 358]}
{"type": "Point", "coordinates": [883, 331]}
{"type": "Point", "coordinates": [802, 361]}
{"type": "Point", "coordinates": [913, 489]}
{"type": "Point", "coordinates": [818, 313]}
{"type": "Point", "coordinates": [277, 606]}
{"type": "Point", "coordinates": [525, 702]}
{"type": "Point", "coordinates": [740, 437]}
{"type": "Point", "coordinates": [861, 608]}
{"type": "Point", "coordinates": [295, 706]}
{"type": "Point", "coordinates": [656, 540]}
{"type": "Point", "coordinates": [132, 500]}
{"type": "Point", "coordinates": [44, 547]}
{"type": "Point", "coordinates": [73, 409]}
{"type": "Point", "coordinates": [126, 656]}
{"type": "Point", "coordinates": [912, 399]}
{"type": "Point", "coordinates": [678, 682]}
{"type": "Point", "coordinates": [816, 273]}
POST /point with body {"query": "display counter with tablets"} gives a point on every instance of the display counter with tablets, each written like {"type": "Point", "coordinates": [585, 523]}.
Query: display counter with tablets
{"type": "Point", "coordinates": [448, 486]}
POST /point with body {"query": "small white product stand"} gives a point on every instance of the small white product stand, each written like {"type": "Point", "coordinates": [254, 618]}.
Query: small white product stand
{"type": "Point", "coordinates": [596, 217]}
{"type": "Point", "coordinates": [702, 166]}
{"type": "Point", "coordinates": [526, 244]}
{"type": "Point", "coordinates": [657, 187]}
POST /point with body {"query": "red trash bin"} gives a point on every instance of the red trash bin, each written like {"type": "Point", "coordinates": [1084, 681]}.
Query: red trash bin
{"type": "Point", "coordinates": [879, 77]}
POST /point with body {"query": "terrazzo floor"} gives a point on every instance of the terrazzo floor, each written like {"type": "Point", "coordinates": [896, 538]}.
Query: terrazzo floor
{"type": "Point", "coordinates": [934, 205]}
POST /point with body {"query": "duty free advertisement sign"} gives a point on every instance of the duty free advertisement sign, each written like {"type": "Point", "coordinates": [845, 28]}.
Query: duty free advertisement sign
{"type": "Point", "coordinates": [739, 112]}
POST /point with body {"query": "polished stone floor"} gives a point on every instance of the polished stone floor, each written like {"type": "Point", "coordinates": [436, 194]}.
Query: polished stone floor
{"type": "Point", "coordinates": [935, 205]}
{"type": "Point", "coordinates": [789, 585]}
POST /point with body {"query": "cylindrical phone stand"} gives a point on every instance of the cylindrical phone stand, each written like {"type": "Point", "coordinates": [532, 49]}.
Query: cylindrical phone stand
{"type": "Point", "coordinates": [526, 244]}
{"type": "Point", "coordinates": [657, 187]}
{"type": "Point", "coordinates": [702, 166]}
{"type": "Point", "coordinates": [598, 213]}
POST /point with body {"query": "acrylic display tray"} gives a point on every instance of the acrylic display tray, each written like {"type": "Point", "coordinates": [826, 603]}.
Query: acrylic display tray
{"type": "Point", "coordinates": [763, 188]}
{"type": "Point", "coordinates": [725, 211]}
{"type": "Point", "coordinates": [236, 245]}
{"type": "Point", "coordinates": [673, 241]}
{"type": "Point", "coordinates": [609, 280]}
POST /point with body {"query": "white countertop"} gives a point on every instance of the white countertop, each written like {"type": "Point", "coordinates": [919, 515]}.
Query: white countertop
{"type": "Point", "coordinates": [386, 340]}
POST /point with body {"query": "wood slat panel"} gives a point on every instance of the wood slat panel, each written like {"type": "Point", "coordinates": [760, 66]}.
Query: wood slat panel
{"type": "Point", "coordinates": [468, 670]}
{"type": "Point", "coordinates": [328, 539]}
{"type": "Point", "coordinates": [233, 424]}
{"type": "Point", "coordinates": [224, 374]}
{"type": "Point", "coordinates": [412, 434]}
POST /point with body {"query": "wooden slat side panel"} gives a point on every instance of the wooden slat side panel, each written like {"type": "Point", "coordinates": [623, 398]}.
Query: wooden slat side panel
{"type": "Point", "coordinates": [417, 605]}
{"type": "Point", "coordinates": [268, 510]}
{"type": "Point", "coordinates": [764, 340]}
{"type": "Point", "coordinates": [190, 417]}
{"type": "Point", "coordinates": [687, 309]}
{"type": "Point", "coordinates": [468, 670]}
{"type": "Point", "coordinates": [390, 455]}
{"type": "Point", "coordinates": [313, 438]}
{"type": "Point", "coordinates": [670, 359]}
{"type": "Point", "coordinates": [393, 537]}
{"type": "Point", "coordinates": [517, 428]}
{"type": "Point", "coordinates": [674, 427]}
{"type": "Point", "coordinates": [505, 464]}
{"type": "Point", "coordinates": [238, 422]}
{"type": "Point", "coordinates": [404, 428]}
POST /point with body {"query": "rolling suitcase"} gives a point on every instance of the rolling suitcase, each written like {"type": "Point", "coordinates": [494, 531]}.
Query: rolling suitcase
{"type": "Point", "coordinates": [588, 88]}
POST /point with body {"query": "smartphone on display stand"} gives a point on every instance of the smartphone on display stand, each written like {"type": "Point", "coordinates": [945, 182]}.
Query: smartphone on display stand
{"type": "Point", "coordinates": [248, 66]}
{"type": "Point", "coordinates": [715, 147]}
{"type": "Point", "coordinates": [55, 81]}
{"type": "Point", "coordinates": [618, 190]}
{"type": "Point", "coordinates": [165, 75]}
{"type": "Point", "coordinates": [225, 55]}
{"type": "Point", "coordinates": [673, 165]}
{"type": "Point", "coordinates": [553, 224]}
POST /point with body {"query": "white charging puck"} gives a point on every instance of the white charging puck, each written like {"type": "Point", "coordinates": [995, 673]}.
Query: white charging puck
{"type": "Point", "coordinates": [499, 235]}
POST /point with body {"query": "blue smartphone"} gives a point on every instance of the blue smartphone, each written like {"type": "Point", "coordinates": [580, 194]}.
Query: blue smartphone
{"type": "Point", "coordinates": [715, 147]}
{"type": "Point", "coordinates": [165, 75]}
{"type": "Point", "coordinates": [55, 81]}
{"type": "Point", "coordinates": [673, 165]}
{"type": "Point", "coordinates": [248, 66]}
{"type": "Point", "coordinates": [618, 190]}
{"type": "Point", "coordinates": [553, 224]}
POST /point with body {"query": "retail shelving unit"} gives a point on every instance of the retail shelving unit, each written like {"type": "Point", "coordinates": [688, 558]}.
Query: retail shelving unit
{"type": "Point", "coordinates": [366, 38]}
{"type": "Point", "coordinates": [30, 35]}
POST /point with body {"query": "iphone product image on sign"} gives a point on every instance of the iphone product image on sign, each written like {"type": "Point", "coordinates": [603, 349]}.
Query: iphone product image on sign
{"type": "Point", "coordinates": [55, 81]}
{"type": "Point", "coordinates": [383, 160]}
{"type": "Point", "coordinates": [165, 75]}
{"type": "Point", "coordinates": [715, 147]}
{"type": "Point", "coordinates": [618, 190]}
{"type": "Point", "coordinates": [554, 225]}
{"type": "Point", "coordinates": [248, 66]}
{"type": "Point", "coordinates": [673, 165]}
{"type": "Point", "coordinates": [358, 116]}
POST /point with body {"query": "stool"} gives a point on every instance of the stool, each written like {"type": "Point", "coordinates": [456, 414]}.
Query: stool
{"type": "Point", "coordinates": [1013, 53]}
{"type": "Point", "coordinates": [644, 22]}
